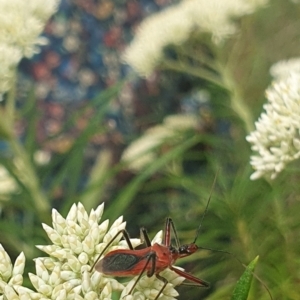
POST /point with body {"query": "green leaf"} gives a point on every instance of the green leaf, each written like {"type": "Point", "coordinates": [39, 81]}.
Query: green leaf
{"type": "Point", "coordinates": [124, 198]}
{"type": "Point", "coordinates": [242, 287]}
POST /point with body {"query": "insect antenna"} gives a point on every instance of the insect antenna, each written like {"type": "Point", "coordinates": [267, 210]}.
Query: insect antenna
{"type": "Point", "coordinates": [206, 208]}
{"type": "Point", "coordinates": [224, 251]}
{"type": "Point", "coordinates": [237, 259]}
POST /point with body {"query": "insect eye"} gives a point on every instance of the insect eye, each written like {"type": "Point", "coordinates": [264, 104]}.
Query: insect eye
{"type": "Point", "coordinates": [172, 249]}
{"type": "Point", "coordinates": [183, 249]}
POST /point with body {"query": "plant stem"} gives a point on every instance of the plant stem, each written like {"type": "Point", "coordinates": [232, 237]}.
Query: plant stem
{"type": "Point", "coordinates": [197, 72]}
{"type": "Point", "coordinates": [29, 178]}
{"type": "Point", "coordinates": [24, 168]}
{"type": "Point", "coordinates": [224, 80]}
{"type": "Point", "coordinates": [237, 103]}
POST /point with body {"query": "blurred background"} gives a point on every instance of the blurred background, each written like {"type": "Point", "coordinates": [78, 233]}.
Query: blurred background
{"type": "Point", "coordinates": [79, 107]}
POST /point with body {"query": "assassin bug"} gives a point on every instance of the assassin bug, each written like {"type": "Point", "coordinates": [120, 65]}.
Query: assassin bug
{"type": "Point", "coordinates": [154, 258]}
{"type": "Point", "coordinates": [151, 260]}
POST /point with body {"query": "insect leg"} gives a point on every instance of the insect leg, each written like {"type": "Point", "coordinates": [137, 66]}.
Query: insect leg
{"type": "Point", "coordinates": [151, 257]}
{"type": "Point", "coordinates": [126, 237]}
{"type": "Point", "coordinates": [165, 281]}
{"type": "Point", "coordinates": [145, 237]}
{"type": "Point", "coordinates": [167, 233]}
{"type": "Point", "coordinates": [196, 281]}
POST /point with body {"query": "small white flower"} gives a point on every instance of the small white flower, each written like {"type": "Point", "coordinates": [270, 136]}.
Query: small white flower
{"type": "Point", "coordinates": [42, 157]}
{"type": "Point", "coordinates": [21, 24]}
{"type": "Point", "coordinates": [23, 21]}
{"type": "Point", "coordinates": [174, 25]}
{"type": "Point", "coordinates": [7, 183]}
{"type": "Point", "coordinates": [77, 241]}
{"type": "Point", "coordinates": [11, 276]}
{"type": "Point", "coordinates": [284, 68]}
{"type": "Point", "coordinates": [5, 265]}
{"type": "Point", "coordinates": [276, 139]}
{"type": "Point", "coordinates": [143, 151]}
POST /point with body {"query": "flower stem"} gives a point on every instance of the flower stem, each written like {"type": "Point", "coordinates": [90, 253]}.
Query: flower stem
{"type": "Point", "coordinates": [197, 72]}
{"type": "Point", "coordinates": [225, 81]}
{"type": "Point", "coordinates": [24, 169]}
{"type": "Point", "coordinates": [28, 177]}
{"type": "Point", "coordinates": [10, 104]}
{"type": "Point", "coordinates": [237, 103]}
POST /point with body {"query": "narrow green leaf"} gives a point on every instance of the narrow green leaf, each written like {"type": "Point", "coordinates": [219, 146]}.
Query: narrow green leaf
{"type": "Point", "coordinates": [96, 183]}
{"type": "Point", "coordinates": [242, 287]}
{"type": "Point", "coordinates": [31, 114]}
{"type": "Point", "coordinates": [125, 197]}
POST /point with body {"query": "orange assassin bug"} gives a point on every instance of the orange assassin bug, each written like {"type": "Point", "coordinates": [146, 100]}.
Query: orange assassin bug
{"type": "Point", "coordinates": [154, 258]}
{"type": "Point", "coordinates": [150, 260]}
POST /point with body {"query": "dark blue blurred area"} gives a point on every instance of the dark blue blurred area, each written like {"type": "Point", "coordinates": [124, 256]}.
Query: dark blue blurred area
{"type": "Point", "coordinates": [82, 59]}
{"type": "Point", "coordinates": [86, 39]}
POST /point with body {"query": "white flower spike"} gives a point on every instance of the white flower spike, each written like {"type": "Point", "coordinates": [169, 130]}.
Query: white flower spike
{"type": "Point", "coordinates": [174, 25]}
{"type": "Point", "coordinates": [66, 274]}
{"type": "Point", "coordinates": [276, 139]}
{"type": "Point", "coordinates": [11, 276]}
{"type": "Point", "coordinates": [284, 68]}
{"type": "Point", "coordinates": [145, 150]}
{"type": "Point", "coordinates": [21, 24]}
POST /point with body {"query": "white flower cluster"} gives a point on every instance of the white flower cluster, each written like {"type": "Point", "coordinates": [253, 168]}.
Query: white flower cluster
{"type": "Point", "coordinates": [21, 23]}
{"type": "Point", "coordinates": [11, 277]}
{"type": "Point", "coordinates": [284, 68]}
{"type": "Point", "coordinates": [277, 136]}
{"type": "Point", "coordinates": [8, 183]}
{"type": "Point", "coordinates": [144, 150]}
{"type": "Point", "coordinates": [66, 274]}
{"type": "Point", "coordinates": [174, 25]}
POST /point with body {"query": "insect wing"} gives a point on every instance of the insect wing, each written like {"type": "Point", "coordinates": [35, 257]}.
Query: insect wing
{"type": "Point", "coordinates": [119, 263]}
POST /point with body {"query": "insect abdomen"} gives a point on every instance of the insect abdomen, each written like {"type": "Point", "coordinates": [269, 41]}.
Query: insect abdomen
{"type": "Point", "coordinates": [117, 263]}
